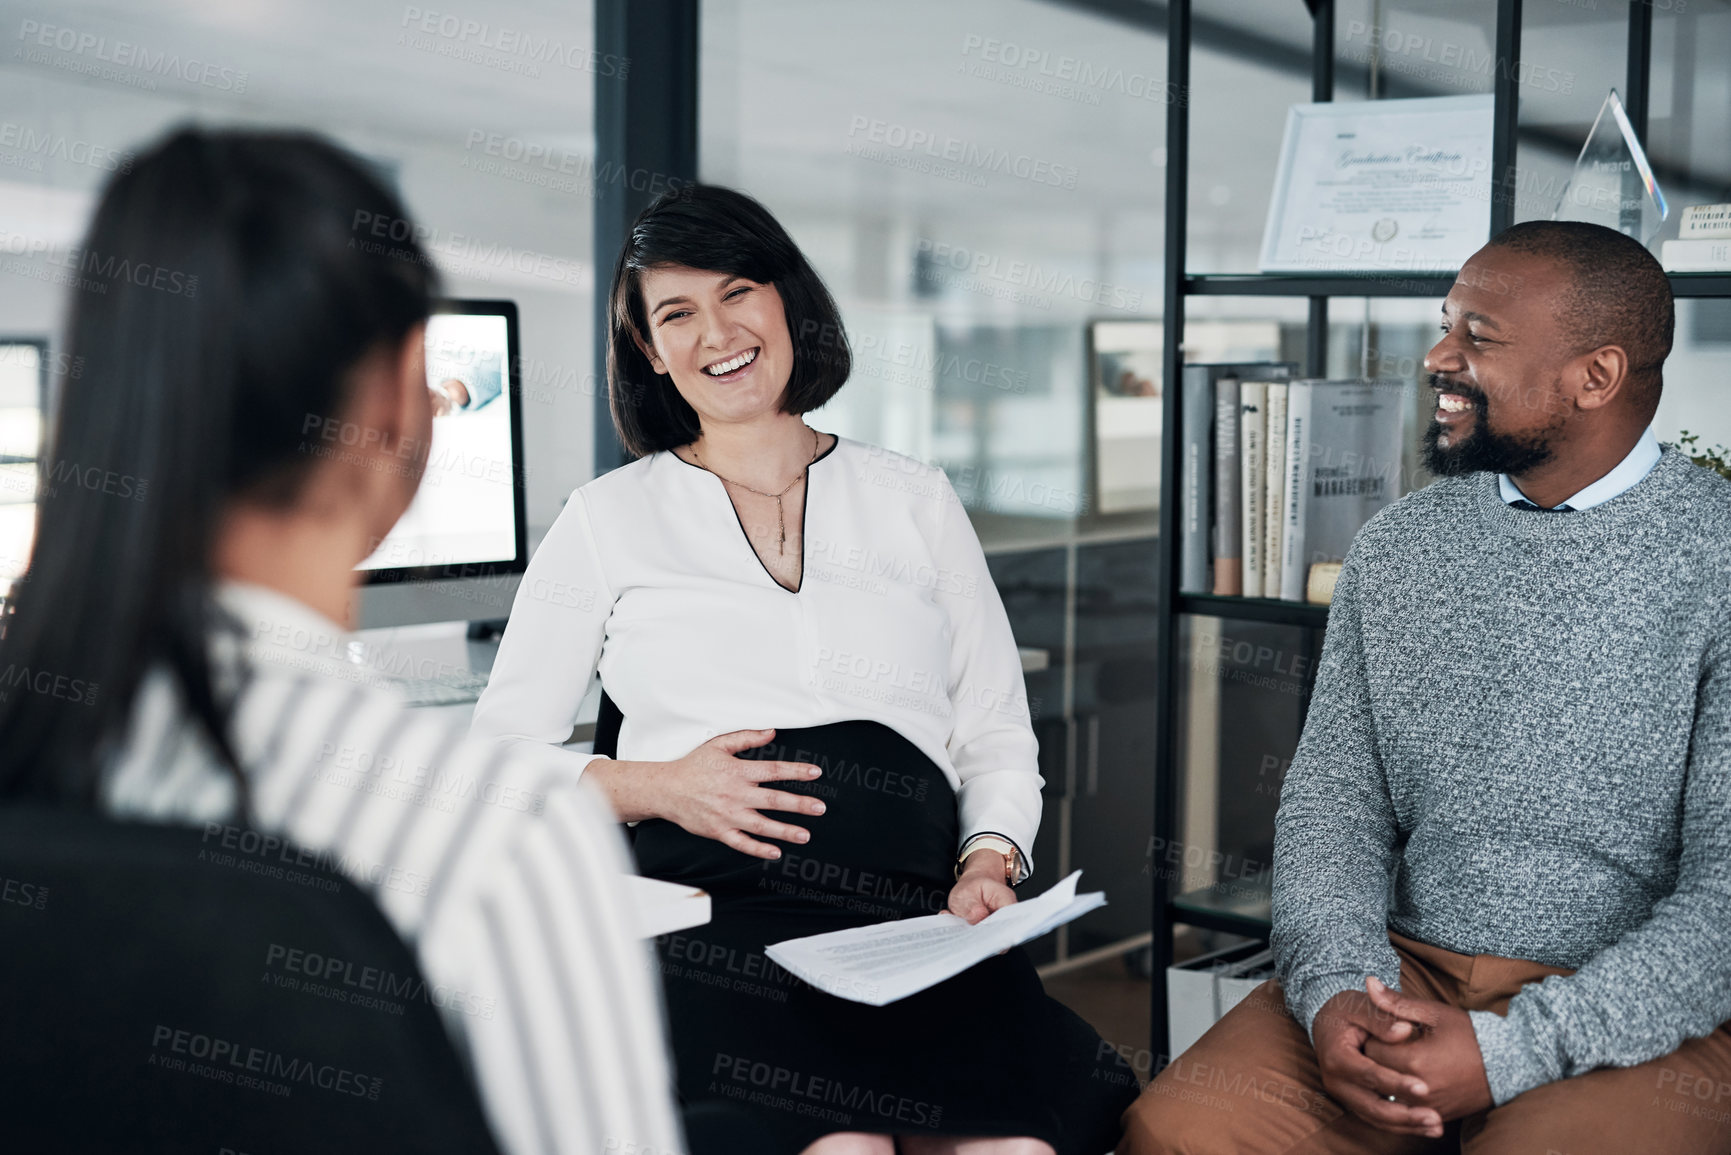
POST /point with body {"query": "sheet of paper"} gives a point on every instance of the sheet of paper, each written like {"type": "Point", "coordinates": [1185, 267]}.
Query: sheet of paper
{"type": "Point", "coordinates": [888, 961]}
{"type": "Point", "coordinates": [664, 907]}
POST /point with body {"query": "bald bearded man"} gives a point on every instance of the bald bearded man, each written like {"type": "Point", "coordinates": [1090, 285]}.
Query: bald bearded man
{"type": "Point", "coordinates": [1502, 863]}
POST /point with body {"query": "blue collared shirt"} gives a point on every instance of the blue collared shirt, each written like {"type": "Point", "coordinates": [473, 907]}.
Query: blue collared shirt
{"type": "Point", "coordinates": [1631, 469]}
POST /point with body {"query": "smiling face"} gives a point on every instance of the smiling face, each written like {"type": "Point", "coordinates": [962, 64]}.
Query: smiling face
{"type": "Point", "coordinates": [1500, 371]}
{"type": "Point", "coordinates": [721, 338]}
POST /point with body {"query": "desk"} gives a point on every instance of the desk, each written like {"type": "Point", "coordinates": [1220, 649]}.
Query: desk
{"type": "Point", "coordinates": [426, 651]}
{"type": "Point", "coordinates": [443, 647]}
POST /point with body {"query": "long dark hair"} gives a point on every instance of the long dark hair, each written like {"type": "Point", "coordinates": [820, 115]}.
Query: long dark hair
{"type": "Point", "coordinates": [720, 230]}
{"type": "Point", "coordinates": [229, 282]}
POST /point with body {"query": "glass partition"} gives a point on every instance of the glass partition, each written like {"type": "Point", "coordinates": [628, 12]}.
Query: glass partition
{"type": "Point", "coordinates": [977, 182]}
{"type": "Point", "coordinates": [1689, 144]}
{"type": "Point", "coordinates": [485, 127]}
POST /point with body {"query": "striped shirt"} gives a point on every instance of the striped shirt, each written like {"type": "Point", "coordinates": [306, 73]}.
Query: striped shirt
{"type": "Point", "coordinates": [496, 865]}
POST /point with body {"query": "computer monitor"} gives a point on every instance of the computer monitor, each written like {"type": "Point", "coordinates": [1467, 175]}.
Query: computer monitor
{"type": "Point", "coordinates": [461, 547]}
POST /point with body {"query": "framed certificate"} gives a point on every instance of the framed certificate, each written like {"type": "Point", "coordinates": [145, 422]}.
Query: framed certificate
{"type": "Point", "coordinates": [1381, 186]}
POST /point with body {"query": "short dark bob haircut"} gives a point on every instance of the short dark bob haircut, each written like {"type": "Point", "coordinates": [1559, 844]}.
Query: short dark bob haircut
{"type": "Point", "coordinates": [716, 229]}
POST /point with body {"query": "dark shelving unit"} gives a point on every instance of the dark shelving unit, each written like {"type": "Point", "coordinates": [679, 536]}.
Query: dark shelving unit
{"type": "Point", "coordinates": [1701, 284]}
{"type": "Point", "coordinates": [1236, 908]}
{"type": "Point", "coordinates": [1388, 284]}
{"type": "Point", "coordinates": [1316, 285]}
{"type": "Point", "coordinates": [1274, 610]}
{"type": "Point", "coordinates": [1242, 908]}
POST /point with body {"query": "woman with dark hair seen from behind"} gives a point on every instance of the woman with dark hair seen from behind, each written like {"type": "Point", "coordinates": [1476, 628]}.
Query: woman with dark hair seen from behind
{"type": "Point", "coordinates": [750, 571]}
{"type": "Point", "coordinates": [205, 601]}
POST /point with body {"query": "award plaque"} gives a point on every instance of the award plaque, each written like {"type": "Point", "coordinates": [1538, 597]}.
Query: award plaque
{"type": "Point", "coordinates": [1613, 185]}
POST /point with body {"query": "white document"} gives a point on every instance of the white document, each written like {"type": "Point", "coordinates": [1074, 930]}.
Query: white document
{"type": "Point", "coordinates": [1375, 185]}
{"type": "Point", "coordinates": [879, 964]}
{"type": "Point", "coordinates": [660, 907]}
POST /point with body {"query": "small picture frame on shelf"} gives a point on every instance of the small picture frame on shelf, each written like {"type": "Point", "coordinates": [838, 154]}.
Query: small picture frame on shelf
{"type": "Point", "coordinates": [1125, 389]}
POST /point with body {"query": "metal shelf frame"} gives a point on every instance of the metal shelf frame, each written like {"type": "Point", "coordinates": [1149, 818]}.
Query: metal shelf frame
{"type": "Point", "coordinates": [1254, 610]}
{"type": "Point", "coordinates": [1325, 285]}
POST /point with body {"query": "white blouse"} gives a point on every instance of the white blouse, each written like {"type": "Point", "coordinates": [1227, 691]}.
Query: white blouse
{"type": "Point", "coordinates": [648, 577]}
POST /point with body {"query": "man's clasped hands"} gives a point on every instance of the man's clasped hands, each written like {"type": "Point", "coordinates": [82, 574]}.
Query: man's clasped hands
{"type": "Point", "coordinates": [1400, 1062]}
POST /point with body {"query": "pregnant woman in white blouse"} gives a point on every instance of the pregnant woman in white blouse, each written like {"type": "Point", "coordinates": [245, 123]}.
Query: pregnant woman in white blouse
{"type": "Point", "coordinates": [824, 716]}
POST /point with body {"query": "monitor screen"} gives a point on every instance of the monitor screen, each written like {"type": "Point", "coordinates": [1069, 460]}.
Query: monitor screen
{"type": "Point", "coordinates": [467, 518]}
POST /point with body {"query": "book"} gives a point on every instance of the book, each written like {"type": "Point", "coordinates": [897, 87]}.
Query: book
{"type": "Point", "coordinates": [1344, 464]}
{"type": "Point", "coordinates": [1274, 479]}
{"type": "Point", "coordinates": [1252, 425]}
{"type": "Point", "coordinates": [887, 961]}
{"type": "Point", "coordinates": [1228, 559]}
{"type": "Point", "coordinates": [1698, 256]}
{"type": "Point", "coordinates": [1195, 479]}
{"type": "Point", "coordinates": [1209, 473]}
{"type": "Point", "coordinates": [1705, 222]}
{"type": "Point", "coordinates": [1293, 507]}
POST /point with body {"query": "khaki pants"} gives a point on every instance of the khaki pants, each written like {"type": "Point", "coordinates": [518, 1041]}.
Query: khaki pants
{"type": "Point", "coordinates": [1251, 1086]}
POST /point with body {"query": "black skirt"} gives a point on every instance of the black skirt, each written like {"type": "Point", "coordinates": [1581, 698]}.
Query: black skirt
{"type": "Point", "coordinates": [985, 1053]}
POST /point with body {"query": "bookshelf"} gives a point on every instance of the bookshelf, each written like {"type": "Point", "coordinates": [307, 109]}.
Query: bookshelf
{"type": "Point", "coordinates": [1272, 610]}
{"type": "Point", "coordinates": [1388, 285]}
{"type": "Point", "coordinates": [1316, 285]}
{"type": "Point", "coordinates": [1242, 906]}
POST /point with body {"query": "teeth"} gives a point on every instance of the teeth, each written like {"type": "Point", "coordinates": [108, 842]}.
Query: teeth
{"type": "Point", "coordinates": [1453, 403]}
{"type": "Point", "coordinates": [739, 362]}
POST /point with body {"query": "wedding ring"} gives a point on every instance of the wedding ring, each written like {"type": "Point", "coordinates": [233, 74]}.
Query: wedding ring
{"type": "Point", "coordinates": [1391, 1098]}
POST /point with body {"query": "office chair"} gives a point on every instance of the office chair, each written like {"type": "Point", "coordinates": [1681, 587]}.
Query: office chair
{"type": "Point", "coordinates": [170, 988]}
{"type": "Point", "coordinates": [608, 719]}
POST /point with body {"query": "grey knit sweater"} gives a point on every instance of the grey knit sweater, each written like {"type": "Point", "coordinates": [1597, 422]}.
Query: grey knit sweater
{"type": "Point", "coordinates": [1520, 745]}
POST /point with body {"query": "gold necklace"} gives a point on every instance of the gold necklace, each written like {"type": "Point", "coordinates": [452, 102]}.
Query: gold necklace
{"type": "Point", "coordinates": [780, 517]}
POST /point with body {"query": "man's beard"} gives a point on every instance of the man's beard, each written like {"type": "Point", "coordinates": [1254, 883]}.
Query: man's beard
{"type": "Point", "coordinates": [1482, 450]}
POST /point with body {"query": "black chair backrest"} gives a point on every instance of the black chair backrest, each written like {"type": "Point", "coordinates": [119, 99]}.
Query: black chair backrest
{"type": "Point", "coordinates": [607, 723]}
{"type": "Point", "coordinates": [608, 719]}
{"type": "Point", "coordinates": [187, 988]}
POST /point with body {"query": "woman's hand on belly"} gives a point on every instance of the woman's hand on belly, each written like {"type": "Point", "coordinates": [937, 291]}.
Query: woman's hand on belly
{"type": "Point", "coordinates": [712, 794]}
{"type": "Point", "coordinates": [981, 888]}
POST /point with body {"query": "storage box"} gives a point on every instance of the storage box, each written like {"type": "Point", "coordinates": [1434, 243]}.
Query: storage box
{"type": "Point", "coordinates": [1201, 990]}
